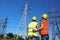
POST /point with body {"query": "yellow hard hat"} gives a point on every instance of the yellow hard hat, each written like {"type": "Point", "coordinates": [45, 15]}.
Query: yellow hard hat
{"type": "Point", "coordinates": [45, 16]}
{"type": "Point", "coordinates": [34, 18]}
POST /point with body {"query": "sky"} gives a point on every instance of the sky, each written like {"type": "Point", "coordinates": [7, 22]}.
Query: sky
{"type": "Point", "coordinates": [14, 10]}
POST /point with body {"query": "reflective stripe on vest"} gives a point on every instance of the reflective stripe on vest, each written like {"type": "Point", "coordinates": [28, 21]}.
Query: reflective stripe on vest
{"type": "Point", "coordinates": [31, 26]}
{"type": "Point", "coordinates": [44, 31]}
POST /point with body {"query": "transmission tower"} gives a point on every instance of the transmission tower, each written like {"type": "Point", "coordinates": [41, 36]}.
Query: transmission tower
{"type": "Point", "coordinates": [22, 28]}
{"type": "Point", "coordinates": [54, 25]}
{"type": "Point", "coordinates": [3, 26]}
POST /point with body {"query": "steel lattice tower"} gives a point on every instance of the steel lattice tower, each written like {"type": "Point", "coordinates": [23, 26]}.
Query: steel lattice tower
{"type": "Point", "coordinates": [55, 28]}
{"type": "Point", "coordinates": [3, 26]}
{"type": "Point", "coordinates": [22, 28]}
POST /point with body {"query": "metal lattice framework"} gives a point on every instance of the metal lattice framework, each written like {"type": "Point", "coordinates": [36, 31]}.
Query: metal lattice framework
{"type": "Point", "coordinates": [3, 26]}
{"type": "Point", "coordinates": [22, 28]}
{"type": "Point", "coordinates": [55, 27]}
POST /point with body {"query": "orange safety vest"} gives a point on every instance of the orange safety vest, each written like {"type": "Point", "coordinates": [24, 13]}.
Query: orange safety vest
{"type": "Point", "coordinates": [44, 30]}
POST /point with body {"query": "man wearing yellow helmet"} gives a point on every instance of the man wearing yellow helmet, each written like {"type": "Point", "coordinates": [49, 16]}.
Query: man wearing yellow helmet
{"type": "Point", "coordinates": [43, 29]}
{"type": "Point", "coordinates": [31, 26]}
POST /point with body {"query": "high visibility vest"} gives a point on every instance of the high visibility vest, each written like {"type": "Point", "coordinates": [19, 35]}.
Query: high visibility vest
{"type": "Point", "coordinates": [44, 30]}
{"type": "Point", "coordinates": [31, 26]}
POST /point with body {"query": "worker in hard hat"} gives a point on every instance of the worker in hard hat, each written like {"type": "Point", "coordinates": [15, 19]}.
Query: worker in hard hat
{"type": "Point", "coordinates": [32, 26]}
{"type": "Point", "coordinates": [43, 29]}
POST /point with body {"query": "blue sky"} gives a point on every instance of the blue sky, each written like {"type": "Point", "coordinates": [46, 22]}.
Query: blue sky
{"type": "Point", "coordinates": [14, 10]}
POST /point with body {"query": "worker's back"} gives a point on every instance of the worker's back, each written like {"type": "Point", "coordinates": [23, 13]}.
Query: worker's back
{"type": "Point", "coordinates": [44, 31]}
{"type": "Point", "coordinates": [31, 26]}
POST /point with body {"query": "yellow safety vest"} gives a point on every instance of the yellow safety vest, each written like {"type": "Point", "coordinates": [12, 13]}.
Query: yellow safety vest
{"type": "Point", "coordinates": [31, 26]}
